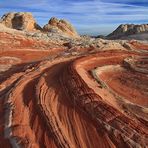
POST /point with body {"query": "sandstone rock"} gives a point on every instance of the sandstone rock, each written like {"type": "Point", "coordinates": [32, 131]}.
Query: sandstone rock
{"type": "Point", "coordinates": [60, 26]}
{"type": "Point", "coordinates": [128, 29]}
{"type": "Point", "coordinates": [20, 21]}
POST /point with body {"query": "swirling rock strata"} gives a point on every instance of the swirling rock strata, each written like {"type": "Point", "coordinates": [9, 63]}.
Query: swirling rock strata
{"type": "Point", "coordinates": [61, 103]}
{"type": "Point", "coordinates": [111, 122]}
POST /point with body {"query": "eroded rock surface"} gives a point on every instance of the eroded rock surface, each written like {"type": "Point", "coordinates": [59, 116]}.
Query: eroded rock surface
{"type": "Point", "coordinates": [58, 103]}
{"type": "Point", "coordinates": [63, 92]}
{"type": "Point", "coordinates": [20, 21]}
{"type": "Point", "coordinates": [60, 26]}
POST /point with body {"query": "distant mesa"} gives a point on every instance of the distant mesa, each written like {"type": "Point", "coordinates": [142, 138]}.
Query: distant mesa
{"type": "Point", "coordinates": [60, 26]}
{"type": "Point", "coordinates": [20, 21]}
{"type": "Point", "coordinates": [127, 30]}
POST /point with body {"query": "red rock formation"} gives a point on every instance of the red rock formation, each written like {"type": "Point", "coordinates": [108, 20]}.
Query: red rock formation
{"type": "Point", "coordinates": [50, 99]}
{"type": "Point", "coordinates": [137, 45]}
{"type": "Point", "coordinates": [58, 104]}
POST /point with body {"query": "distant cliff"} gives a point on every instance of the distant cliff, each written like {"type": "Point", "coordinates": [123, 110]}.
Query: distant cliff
{"type": "Point", "coordinates": [129, 31]}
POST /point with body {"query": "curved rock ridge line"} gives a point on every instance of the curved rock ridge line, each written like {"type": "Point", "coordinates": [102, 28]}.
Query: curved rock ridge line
{"type": "Point", "coordinates": [118, 81]}
{"type": "Point", "coordinates": [88, 97]}
{"type": "Point", "coordinates": [138, 64]}
{"type": "Point", "coordinates": [18, 107]}
{"type": "Point", "coordinates": [62, 103]}
{"type": "Point", "coordinates": [17, 122]}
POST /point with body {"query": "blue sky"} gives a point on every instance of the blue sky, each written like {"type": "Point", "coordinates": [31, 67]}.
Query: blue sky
{"type": "Point", "coordinates": [88, 16]}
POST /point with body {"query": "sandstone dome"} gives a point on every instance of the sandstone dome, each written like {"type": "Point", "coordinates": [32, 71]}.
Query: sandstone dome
{"type": "Point", "coordinates": [20, 21]}
{"type": "Point", "coordinates": [60, 26]}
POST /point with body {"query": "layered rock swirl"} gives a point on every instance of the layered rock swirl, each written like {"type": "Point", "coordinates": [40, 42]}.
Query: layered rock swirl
{"type": "Point", "coordinates": [79, 102]}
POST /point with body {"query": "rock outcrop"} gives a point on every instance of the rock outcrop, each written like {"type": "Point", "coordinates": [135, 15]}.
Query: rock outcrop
{"type": "Point", "coordinates": [26, 22]}
{"type": "Point", "coordinates": [63, 92]}
{"type": "Point", "coordinates": [125, 30]}
{"type": "Point", "coordinates": [59, 103]}
{"type": "Point", "coordinates": [60, 26]}
{"type": "Point", "coordinates": [20, 21]}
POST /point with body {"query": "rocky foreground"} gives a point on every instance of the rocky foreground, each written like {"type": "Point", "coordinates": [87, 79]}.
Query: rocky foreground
{"type": "Point", "coordinates": [58, 89]}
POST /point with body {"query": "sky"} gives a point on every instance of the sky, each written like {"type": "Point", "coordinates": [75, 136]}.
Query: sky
{"type": "Point", "coordinates": [92, 17]}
